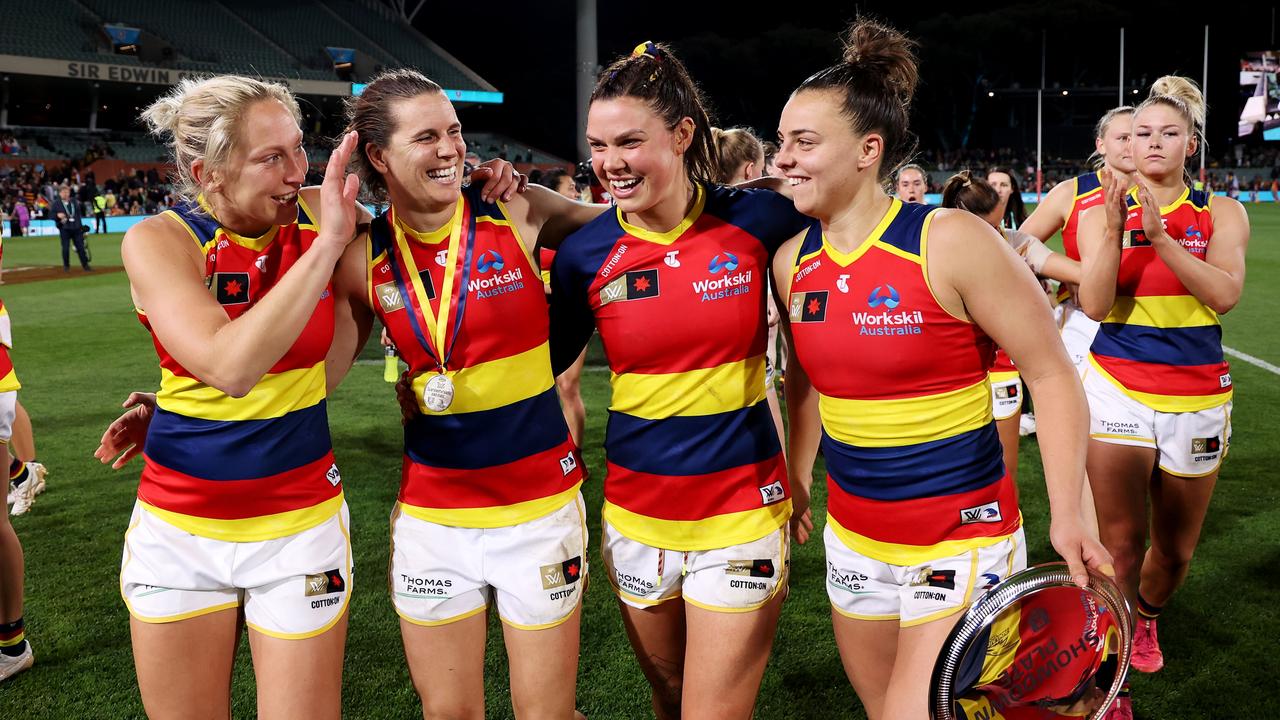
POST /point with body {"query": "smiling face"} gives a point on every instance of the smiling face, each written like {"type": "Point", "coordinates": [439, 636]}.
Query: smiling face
{"type": "Point", "coordinates": [819, 153]}
{"type": "Point", "coordinates": [258, 185]}
{"type": "Point", "coordinates": [1162, 140]}
{"type": "Point", "coordinates": [422, 162]}
{"type": "Point", "coordinates": [638, 159]}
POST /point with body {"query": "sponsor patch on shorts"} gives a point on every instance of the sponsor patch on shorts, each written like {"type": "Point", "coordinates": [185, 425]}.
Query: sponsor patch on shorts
{"type": "Point", "coordinates": [561, 574]}
{"type": "Point", "coordinates": [325, 583]}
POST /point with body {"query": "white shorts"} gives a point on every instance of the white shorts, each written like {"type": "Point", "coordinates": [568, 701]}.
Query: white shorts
{"type": "Point", "coordinates": [536, 570]}
{"type": "Point", "coordinates": [1077, 331]}
{"type": "Point", "coordinates": [1006, 398]}
{"type": "Point", "coordinates": [1187, 444]}
{"type": "Point", "coordinates": [738, 578]}
{"type": "Point", "coordinates": [8, 411]}
{"type": "Point", "coordinates": [293, 587]}
{"type": "Point", "coordinates": [863, 588]}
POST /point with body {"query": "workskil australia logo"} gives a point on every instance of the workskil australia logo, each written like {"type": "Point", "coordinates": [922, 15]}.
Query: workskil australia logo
{"type": "Point", "coordinates": [889, 320]}
{"type": "Point", "coordinates": [729, 283]}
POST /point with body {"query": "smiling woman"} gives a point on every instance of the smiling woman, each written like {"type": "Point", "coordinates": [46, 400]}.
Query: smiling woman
{"type": "Point", "coordinates": [221, 526]}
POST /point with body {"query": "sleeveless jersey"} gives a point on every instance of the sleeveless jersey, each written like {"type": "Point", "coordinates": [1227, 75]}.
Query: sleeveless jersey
{"type": "Point", "coordinates": [501, 453]}
{"type": "Point", "coordinates": [260, 466]}
{"type": "Point", "coordinates": [693, 457]}
{"type": "Point", "coordinates": [1159, 344]}
{"type": "Point", "coordinates": [1088, 194]}
{"type": "Point", "coordinates": [914, 465]}
{"type": "Point", "coordinates": [8, 378]}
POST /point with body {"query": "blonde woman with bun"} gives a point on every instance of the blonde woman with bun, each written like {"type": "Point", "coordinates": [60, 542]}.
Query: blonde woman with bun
{"type": "Point", "coordinates": [894, 308]}
{"type": "Point", "coordinates": [1161, 262]}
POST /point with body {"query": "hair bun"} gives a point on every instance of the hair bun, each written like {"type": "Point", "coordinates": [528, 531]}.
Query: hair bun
{"type": "Point", "coordinates": [870, 44]}
{"type": "Point", "coordinates": [1184, 90]}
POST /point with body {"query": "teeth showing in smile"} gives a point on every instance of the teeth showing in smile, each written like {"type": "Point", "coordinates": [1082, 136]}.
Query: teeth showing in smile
{"type": "Point", "coordinates": [624, 184]}
{"type": "Point", "coordinates": [793, 181]}
{"type": "Point", "coordinates": [285, 199]}
{"type": "Point", "coordinates": [443, 174]}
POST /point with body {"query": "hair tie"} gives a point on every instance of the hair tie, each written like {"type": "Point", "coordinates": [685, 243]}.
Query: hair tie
{"type": "Point", "coordinates": [648, 47]}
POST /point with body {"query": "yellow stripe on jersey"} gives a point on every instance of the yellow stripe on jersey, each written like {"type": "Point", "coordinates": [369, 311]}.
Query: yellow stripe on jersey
{"type": "Point", "coordinates": [492, 517]}
{"type": "Point", "coordinates": [717, 531]}
{"type": "Point", "coordinates": [275, 395]}
{"type": "Point", "coordinates": [708, 391]}
{"type": "Point", "coordinates": [896, 554]}
{"type": "Point", "coordinates": [1166, 403]}
{"type": "Point", "coordinates": [494, 384]}
{"type": "Point", "coordinates": [1003, 376]}
{"type": "Point", "coordinates": [670, 236]}
{"type": "Point", "coordinates": [845, 259]}
{"type": "Point", "coordinates": [9, 382]}
{"type": "Point", "coordinates": [906, 421]}
{"type": "Point", "coordinates": [264, 527]}
{"type": "Point", "coordinates": [1162, 311]}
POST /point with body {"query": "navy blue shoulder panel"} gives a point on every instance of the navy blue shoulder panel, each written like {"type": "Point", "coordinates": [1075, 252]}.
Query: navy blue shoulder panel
{"type": "Point", "coordinates": [380, 239]}
{"type": "Point", "coordinates": [201, 223]}
{"type": "Point", "coordinates": [1087, 183]}
{"type": "Point", "coordinates": [766, 215]}
{"type": "Point", "coordinates": [479, 207]}
{"type": "Point", "coordinates": [1199, 198]}
{"type": "Point", "coordinates": [812, 242]}
{"type": "Point", "coordinates": [904, 231]}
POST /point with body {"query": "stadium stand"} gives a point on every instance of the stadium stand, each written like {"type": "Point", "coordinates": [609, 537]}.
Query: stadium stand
{"type": "Point", "coordinates": [55, 29]}
{"type": "Point", "coordinates": [407, 46]}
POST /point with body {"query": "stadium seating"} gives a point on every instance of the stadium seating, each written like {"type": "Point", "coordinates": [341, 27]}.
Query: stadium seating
{"type": "Point", "coordinates": [407, 46]}
{"type": "Point", "coordinates": [55, 29]}
{"type": "Point", "coordinates": [209, 36]}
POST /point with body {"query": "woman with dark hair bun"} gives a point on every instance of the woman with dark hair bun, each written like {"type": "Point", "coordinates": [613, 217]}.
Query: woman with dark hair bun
{"type": "Point", "coordinates": [695, 522]}
{"type": "Point", "coordinates": [894, 310]}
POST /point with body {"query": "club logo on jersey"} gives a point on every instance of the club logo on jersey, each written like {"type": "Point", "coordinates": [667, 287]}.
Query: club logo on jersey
{"type": "Point", "coordinates": [762, 568]}
{"type": "Point", "coordinates": [261, 263]}
{"type": "Point", "coordinates": [333, 476]}
{"type": "Point", "coordinates": [561, 574]}
{"type": "Point", "coordinates": [489, 261]}
{"type": "Point", "coordinates": [889, 299]}
{"type": "Point", "coordinates": [1135, 238]}
{"type": "Point", "coordinates": [231, 288]}
{"type": "Point", "coordinates": [988, 513]}
{"type": "Point", "coordinates": [728, 264]}
{"type": "Point", "coordinates": [325, 583]}
{"type": "Point", "coordinates": [885, 323]}
{"type": "Point", "coordinates": [1205, 445]}
{"type": "Point", "coordinates": [991, 580]}
{"type": "Point", "coordinates": [772, 493]}
{"type": "Point", "coordinates": [633, 285]}
{"type": "Point", "coordinates": [428, 284]}
{"type": "Point", "coordinates": [1007, 392]}
{"type": "Point", "coordinates": [809, 307]}
{"type": "Point", "coordinates": [1225, 380]}
{"type": "Point", "coordinates": [442, 258]}
{"type": "Point", "coordinates": [568, 463]}
{"type": "Point", "coordinates": [945, 579]}
{"type": "Point", "coordinates": [842, 283]}
{"type": "Point", "coordinates": [671, 260]}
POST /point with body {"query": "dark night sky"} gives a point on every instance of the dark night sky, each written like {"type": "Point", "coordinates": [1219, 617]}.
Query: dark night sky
{"type": "Point", "coordinates": [749, 62]}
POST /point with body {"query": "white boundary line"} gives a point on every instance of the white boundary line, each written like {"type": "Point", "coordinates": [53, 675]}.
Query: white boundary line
{"type": "Point", "coordinates": [1256, 362]}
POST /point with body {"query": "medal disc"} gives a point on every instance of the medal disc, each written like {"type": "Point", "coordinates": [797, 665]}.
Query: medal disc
{"type": "Point", "coordinates": [437, 395]}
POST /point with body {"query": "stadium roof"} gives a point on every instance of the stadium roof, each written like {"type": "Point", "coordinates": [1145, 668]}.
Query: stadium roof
{"type": "Point", "coordinates": [287, 41]}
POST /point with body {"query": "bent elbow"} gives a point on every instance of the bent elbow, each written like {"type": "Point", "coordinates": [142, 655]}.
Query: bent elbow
{"type": "Point", "coordinates": [1222, 306]}
{"type": "Point", "coordinates": [1096, 311]}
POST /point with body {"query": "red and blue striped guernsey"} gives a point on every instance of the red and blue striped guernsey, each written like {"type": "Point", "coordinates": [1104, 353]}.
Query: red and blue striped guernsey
{"type": "Point", "coordinates": [694, 461]}
{"type": "Point", "coordinates": [1159, 344]}
{"type": "Point", "coordinates": [501, 453]}
{"type": "Point", "coordinates": [261, 466]}
{"type": "Point", "coordinates": [1088, 189]}
{"type": "Point", "coordinates": [914, 467]}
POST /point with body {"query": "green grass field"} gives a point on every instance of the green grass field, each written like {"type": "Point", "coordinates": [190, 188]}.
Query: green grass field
{"type": "Point", "coordinates": [80, 350]}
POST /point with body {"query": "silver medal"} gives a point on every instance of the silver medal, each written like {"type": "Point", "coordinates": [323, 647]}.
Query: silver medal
{"type": "Point", "coordinates": [437, 395]}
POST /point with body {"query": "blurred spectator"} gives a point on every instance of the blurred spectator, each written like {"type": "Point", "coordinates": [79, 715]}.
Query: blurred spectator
{"type": "Point", "coordinates": [559, 180]}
